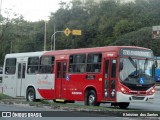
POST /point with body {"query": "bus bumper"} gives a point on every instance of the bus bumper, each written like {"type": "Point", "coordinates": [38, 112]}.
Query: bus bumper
{"type": "Point", "coordinates": [133, 98]}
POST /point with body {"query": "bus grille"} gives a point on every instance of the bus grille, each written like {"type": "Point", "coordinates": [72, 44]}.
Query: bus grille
{"type": "Point", "coordinates": [142, 88]}
{"type": "Point", "coordinates": [138, 92]}
{"type": "Point", "coordinates": [137, 98]}
{"type": "Point", "coordinates": [138, 88]}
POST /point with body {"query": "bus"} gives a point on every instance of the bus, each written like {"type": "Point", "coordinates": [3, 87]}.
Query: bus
{"type": "Point", "coordinates": [1, 75]}
{"type": "Point", "coordinates": [111, 74]}
{"type": "Point", "coordinates": [157, 71]}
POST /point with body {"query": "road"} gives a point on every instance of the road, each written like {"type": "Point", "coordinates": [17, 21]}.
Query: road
{"type": "Point", "coordinates": [55, 112]}
{"type": "Point", "coordinates": [155, 106]}
{"type": "Point", "coordinates": [59, 115]}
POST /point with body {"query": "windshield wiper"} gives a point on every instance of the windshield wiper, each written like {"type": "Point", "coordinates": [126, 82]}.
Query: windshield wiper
{"type": "Point", "coordinates": [135, 73]}
{"type": "Point", "coordinates": [133, 63]}
{"type": "Point", "coordinates": [145, 63]}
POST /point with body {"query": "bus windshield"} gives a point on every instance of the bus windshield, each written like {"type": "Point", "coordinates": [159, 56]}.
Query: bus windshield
{"type": "Point", "coordinates": [137, 71]}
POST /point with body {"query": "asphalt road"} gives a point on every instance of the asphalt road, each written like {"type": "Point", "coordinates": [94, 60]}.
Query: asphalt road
{"type": "Point", "coordinates": [88, 116]}
{"type": "Point", "coordinates": [143, 106]}
{"type": "Point", "coordinates": [25, 110]}
{"type": "Point", "coordinates": [155, 106]}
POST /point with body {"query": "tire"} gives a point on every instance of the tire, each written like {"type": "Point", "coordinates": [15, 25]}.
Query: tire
{"type": "Point", "coordinates": [123, 105]}
{"type": "Point", "coordinates": [31, 96]}
{"type": "Point", "coordinates": [91, 98]}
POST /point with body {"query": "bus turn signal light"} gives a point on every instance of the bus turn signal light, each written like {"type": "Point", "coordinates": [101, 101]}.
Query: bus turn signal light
{"type": "Point", "coordinates": [153, 90]}
{"type": "Point", "coordinates": [123, 90]}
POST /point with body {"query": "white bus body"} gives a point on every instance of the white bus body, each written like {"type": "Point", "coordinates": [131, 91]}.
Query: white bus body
{"type": "Point", "coordinates": [16, 84]}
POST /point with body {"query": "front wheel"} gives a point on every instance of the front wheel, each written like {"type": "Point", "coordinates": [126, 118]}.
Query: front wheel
{"type": "Point", "coordinates": [31, 96]}
{"type": "Point", "coordinates": [123, 105]}
{"type": "Point", "coordinates": [91, 98]}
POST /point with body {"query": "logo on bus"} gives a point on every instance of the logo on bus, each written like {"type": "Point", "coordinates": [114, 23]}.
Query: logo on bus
{"type": "Point", "coordinates": [141, 80]}
{"type": "Point", "coordinates": [67, 77]}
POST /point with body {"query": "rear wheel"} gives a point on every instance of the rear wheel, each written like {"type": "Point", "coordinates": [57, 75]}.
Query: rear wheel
{"type": "Point", "coordinates": [123, 105]}
{"type": "Point", "coordinates": [91, 98]}
{"type": "Point", "coordinates": [31, 96]}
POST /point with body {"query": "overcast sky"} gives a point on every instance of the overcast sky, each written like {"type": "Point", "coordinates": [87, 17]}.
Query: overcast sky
{"type": "Point", "coordinates": [32, 10]}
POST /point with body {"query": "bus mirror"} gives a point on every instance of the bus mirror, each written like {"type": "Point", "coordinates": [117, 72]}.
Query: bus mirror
{"type": "Point", "coordinates": [145, 64]}
{"type": "Point", "coordinates": [156, 64]}
{"type": "Point", "coordinates": [121, 66]}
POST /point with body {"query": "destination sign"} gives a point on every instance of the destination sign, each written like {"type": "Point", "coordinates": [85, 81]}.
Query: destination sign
{"type": "Point", "coordinates": [136, 53]}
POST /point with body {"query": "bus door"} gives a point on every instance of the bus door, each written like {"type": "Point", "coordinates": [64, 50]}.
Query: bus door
{"type": "Point", "coordinates": [110, 79]}
{"type": "Point", "coordinates": [60, 78]}
{"type": "Point", "coordinates": [21, 78]}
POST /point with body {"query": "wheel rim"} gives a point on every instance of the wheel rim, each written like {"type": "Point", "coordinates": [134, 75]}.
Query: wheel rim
{"type": "Point", "coordinates": [91, 99]}
{"type": "Point", "coordinates": [31, 96]}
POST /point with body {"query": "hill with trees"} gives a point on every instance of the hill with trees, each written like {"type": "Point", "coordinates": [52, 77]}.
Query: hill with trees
{"type": "Point", "coordinates": [109, 22]}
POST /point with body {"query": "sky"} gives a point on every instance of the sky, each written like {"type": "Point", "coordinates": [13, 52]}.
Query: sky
{"type": "Point", "coordinates": [32, 10]}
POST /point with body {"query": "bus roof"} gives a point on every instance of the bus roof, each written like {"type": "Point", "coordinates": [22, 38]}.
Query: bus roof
{"type": "Point", "coordinates": [95, 49]}
{"type": "Point", "coordinates": [13, 55]}
{"type": "Point", "coordinates": [71, 51]}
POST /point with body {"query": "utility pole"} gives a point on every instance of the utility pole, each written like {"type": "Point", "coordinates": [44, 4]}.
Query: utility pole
{"type": "Point", "coordinates": [11, 47]}
{"type": "Point", "coordinates": [0, 6]}
{"type": "Point", "coordinates": [45, 35]}
{"type": "Point", "coordinates": [54, 35]}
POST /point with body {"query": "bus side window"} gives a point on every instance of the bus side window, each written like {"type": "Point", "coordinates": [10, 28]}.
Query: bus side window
{"type": "Point", "coordinates": [94, 62]}
{"type": "Point", "coordinates": [1, 70]}
{"type": "Point", "coordinates": [46, 64]}
{"type": "Point", "coordinates": [106, 68]}
{"type": "Point", "coordinates": [33, 63]}
{"type": "Point", "coordinates": [77, 63]}
{"type": "Point", "coordinates": [113, 75]}
{"type": "Point", "coordinates": [10, 66]}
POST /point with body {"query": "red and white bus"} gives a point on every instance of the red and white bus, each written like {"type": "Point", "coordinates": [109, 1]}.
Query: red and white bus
{"type": "Point", "coordinates": [111, 74]}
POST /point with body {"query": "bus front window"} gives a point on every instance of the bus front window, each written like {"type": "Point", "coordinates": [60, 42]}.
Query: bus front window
{"type": "Point", "coordinates": [135, 70]}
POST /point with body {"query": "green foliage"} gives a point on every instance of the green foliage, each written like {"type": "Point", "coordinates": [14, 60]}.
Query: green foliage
{"type": "Point", "coordinates": [142, 38]}
{"type": "Point", "coordinates": [109, 22]}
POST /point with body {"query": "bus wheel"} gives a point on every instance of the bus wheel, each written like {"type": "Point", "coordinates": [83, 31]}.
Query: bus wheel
{"type": "Point", "coordinates": [31, 96]}
{"type": "Point", "coordinates": [123, 105]}
{"type": "Point", "coordinates": [91, 98]}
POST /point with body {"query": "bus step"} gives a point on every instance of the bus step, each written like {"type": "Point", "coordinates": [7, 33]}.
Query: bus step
{"type": "Point", "coordinates": [60, 100]}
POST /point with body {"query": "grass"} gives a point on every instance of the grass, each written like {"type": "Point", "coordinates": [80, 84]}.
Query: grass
{"type": "Point", "coordinates": [2, 96]}
{"type": "Point", "coordinates": [86, 108]}
{"type": "Point", "coordinates": [46, 102]}
{"type": "Point", "coordinates": [68, 106]}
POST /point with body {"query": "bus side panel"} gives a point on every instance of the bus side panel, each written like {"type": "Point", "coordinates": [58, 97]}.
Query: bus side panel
{"type": "Point", "coordinates": [1, 80]}
{"type": "Point", "coordinates": [43, 84]}
{"type": "Point", "coordinates": [9, 85]}
{"type": "Point", "coordinates": [74, 87]}
{"type": "Point", "coordinates": [77, 84]}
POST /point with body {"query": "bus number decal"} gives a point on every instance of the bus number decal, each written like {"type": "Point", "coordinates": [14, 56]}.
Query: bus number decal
{"type": "Point", "coordinates": [77, 93]}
